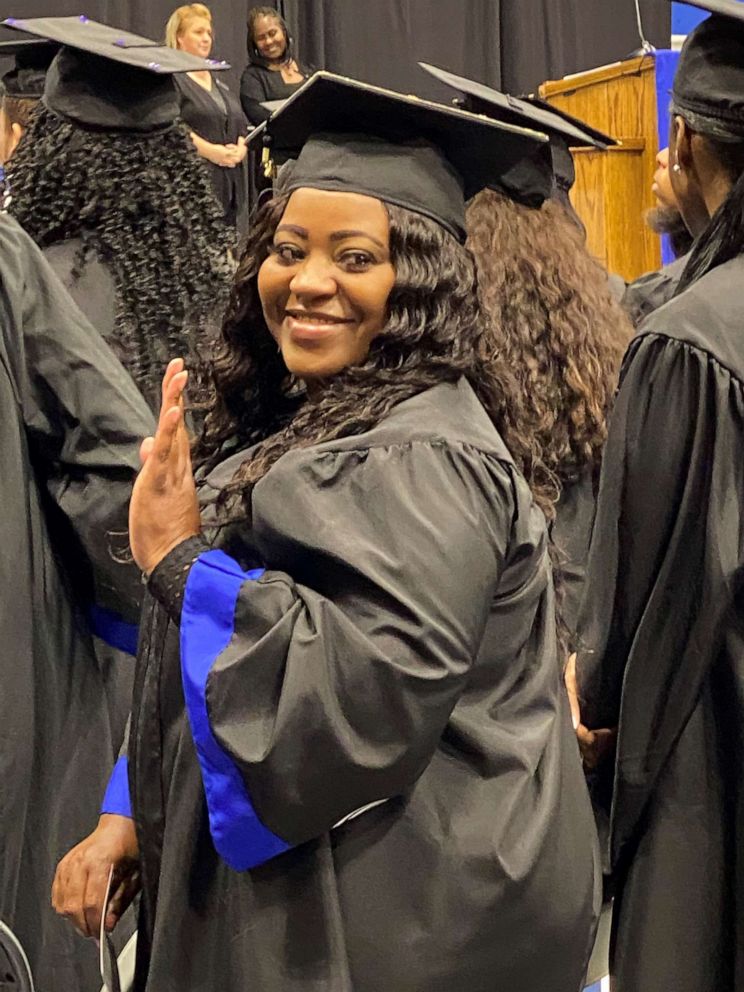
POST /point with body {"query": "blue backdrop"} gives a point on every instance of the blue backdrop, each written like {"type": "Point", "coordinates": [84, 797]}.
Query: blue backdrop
{"type": "Point", "coordinates": [684, 18]}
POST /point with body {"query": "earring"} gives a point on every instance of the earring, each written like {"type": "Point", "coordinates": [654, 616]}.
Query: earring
{"type": "Point", "coordinates": [677, 168]}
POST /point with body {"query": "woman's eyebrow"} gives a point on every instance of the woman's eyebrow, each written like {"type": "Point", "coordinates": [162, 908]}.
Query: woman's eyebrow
{"type": "Point", "coordinates": [342, 235]}
{"type": "Point", "coordinates": [293, 229]}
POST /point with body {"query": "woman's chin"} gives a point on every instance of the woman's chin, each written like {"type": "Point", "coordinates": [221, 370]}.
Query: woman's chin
{"type": "Point", "coordinates": [309, 366]}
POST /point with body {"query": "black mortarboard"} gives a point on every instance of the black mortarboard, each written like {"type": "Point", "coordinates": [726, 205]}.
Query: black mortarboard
{"type": "Point", "coordinates": [429, 158]}
{"type": "Point", "coordinates": [563, 130]}
{"type": "Point", "coordinates": [107, 79]}
{"type": "Point", "coordinates": [710, 74]}
{"type": "Point", "coordinates": [31, 57]}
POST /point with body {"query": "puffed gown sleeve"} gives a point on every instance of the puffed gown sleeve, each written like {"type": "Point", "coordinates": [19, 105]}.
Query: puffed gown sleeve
{"type": "Point", "coordinates": [323, 684]}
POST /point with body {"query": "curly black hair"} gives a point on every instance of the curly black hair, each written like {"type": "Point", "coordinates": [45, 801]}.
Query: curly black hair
{"type": "Point", "coordinates": [433, 334]}
{"type": "Point", "coordinates": [144, 206]}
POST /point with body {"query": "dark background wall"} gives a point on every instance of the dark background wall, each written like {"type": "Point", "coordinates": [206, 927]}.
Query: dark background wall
{"type": "Point", "coordinates": [147, 17]}
{"type": "Point", "coordinates": [514, 44]}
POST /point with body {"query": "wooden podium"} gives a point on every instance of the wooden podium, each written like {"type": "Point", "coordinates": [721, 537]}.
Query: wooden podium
{"type": "Point", "coordinates": [613, 187]}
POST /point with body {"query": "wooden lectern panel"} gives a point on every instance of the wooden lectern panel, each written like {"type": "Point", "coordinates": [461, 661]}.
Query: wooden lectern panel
{"type": "Point", "coordinates": [613, 188]}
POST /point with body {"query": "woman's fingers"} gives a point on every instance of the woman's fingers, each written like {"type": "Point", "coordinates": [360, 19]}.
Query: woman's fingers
{"type": "Point", "coordinates": [146, 449]}
{"type": "Point", "coordinates": [175, 366]}
{"type": "Point", "coordinates": [573, 695]}
{"type": "Point", "coordinates": [127, 889]}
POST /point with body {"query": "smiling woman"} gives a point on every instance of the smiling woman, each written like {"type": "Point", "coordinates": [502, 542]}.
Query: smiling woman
{"type": "Point", "coordinates": [273, 72]}
{"type": "Point", "coordinates": [326, 281]}
{"type": "Point", "coordinates": [355, 684]}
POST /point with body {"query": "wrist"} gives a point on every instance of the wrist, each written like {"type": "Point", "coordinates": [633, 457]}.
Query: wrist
{"type": "Point", "coordinates": [167, 582]}
{"type": "Point", "coordinates": [153, 560]}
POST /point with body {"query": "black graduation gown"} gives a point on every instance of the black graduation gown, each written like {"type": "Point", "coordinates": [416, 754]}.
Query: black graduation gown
{"type": "Point", "coordinates": [571, 533]}
{"type": "Point", "coordinates": [202, 115]}
{"type": "Point", "coordinates": [665, 642]}
{"type": "Point", "coordinates": [400, 647]}
{"type": "Point", "coordinates": [71, 425]}
{"type": "Point", "coordinates": [652, 290]}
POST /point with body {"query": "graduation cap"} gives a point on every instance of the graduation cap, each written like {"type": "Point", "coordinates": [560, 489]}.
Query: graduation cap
{"type": "Point", "coordinates": [563, 130]}
{"type": "Point", "coordinates": [710, 74]}
{"type": "Point", "coordinates": [31, 58]}
{"type": "Point", "coordinates": [352, 137]}
{"type": "Point", "coordinates": [106, 79]}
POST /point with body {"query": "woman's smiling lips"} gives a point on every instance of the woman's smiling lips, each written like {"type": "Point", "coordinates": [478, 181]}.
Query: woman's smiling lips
{"type": "Point", "coordinates": [310, 325]}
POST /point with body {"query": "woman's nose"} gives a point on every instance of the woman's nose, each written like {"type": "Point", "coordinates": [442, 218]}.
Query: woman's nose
{"type": "Point", "coordinates": [313, 277]}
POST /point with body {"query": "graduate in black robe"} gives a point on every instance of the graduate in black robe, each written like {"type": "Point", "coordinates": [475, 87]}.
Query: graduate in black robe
{"type": "Point", "coordinates": [71, 421]}
{"type": "Point", "coordinates": [351, 764]}
{"type": "Point", "coordinates": [107, 183]}
{"type": "Point", "coordinates": [554, 319]}
{"type": "Point", "coordinates": [663, 640]}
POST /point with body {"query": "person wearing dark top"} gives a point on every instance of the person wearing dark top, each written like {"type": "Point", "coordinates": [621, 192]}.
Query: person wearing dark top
{"type": "Point", "coordinates": [273, 71]}
{"type": "Point", "coordinates": [663, 660]}
{"type": "Point", "coordinates": [553, 316]}
{"type": "Point", "coordinates": [71, 427]}
{"type": "Point", "coordinates": [370, 780]}
{"type": "Point", "coordinates": [107, 183]}
{"type": "Point", "coordinates": [654, 289]}
{"type": "Point", "coordinates": [208, 107]}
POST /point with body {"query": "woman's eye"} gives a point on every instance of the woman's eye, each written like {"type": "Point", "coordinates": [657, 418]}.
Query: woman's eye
{"type": "Point", "coordinates": [289, 254]}
{"type": "Point", "coordinates": [356, 261]}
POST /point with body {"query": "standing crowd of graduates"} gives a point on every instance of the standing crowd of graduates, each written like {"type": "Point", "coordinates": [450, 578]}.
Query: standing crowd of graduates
{"type": "Point", "coordinates": [372, 600]}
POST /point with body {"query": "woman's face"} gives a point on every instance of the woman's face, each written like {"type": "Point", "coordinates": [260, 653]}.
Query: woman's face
{"type": "Point", "coordinates": [325, 285]}
{"type": "Point", "coordinates": [269, 38]}
{"type": "Point", "coordinates": [196, 37]}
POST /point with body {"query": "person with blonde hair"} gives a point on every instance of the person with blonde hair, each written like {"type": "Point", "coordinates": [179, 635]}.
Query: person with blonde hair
{"type": "Point", "coordinates": [217, 122]}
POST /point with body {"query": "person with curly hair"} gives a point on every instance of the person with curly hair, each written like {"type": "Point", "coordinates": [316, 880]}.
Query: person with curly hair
{"type": "Point", "coordinates": [106, 181]}
{"type": "Point", "coordinates": [352, 763]}
{"type": "Point", "coordinates": [552, 317]}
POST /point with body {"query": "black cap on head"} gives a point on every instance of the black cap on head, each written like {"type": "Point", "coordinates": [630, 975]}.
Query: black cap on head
{"type": "Point", "coordinates": [107, 79]}
{"type": "Point", "coordinates": [709, 81]}
{"type": "Point", "coordinates": [31, 57]}
{"type": "Point", "coordinates": [429, 158]}
{"type": "Point", "coordinates": [563, 130]}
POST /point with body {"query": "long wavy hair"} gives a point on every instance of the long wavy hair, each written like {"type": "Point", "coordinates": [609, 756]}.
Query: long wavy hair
{"type": "Point", "coordinates": [145, 208]}
{"type": "Point", "coordinates": [433, 334]}
{"type": "Point", "coordinates": [550, 315]}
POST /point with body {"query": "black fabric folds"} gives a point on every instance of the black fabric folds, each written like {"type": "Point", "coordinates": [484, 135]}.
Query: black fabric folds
{"type": "Point", "coordinates": [663, 653]}
{"type": "Point", "coordinates": [395, 649]}
{"type": "Point", "coordinates": [72, 421]}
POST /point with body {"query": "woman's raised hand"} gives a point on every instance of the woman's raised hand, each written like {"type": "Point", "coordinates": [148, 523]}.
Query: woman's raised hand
{"type": "Point", "coordinates": [164, 509]}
